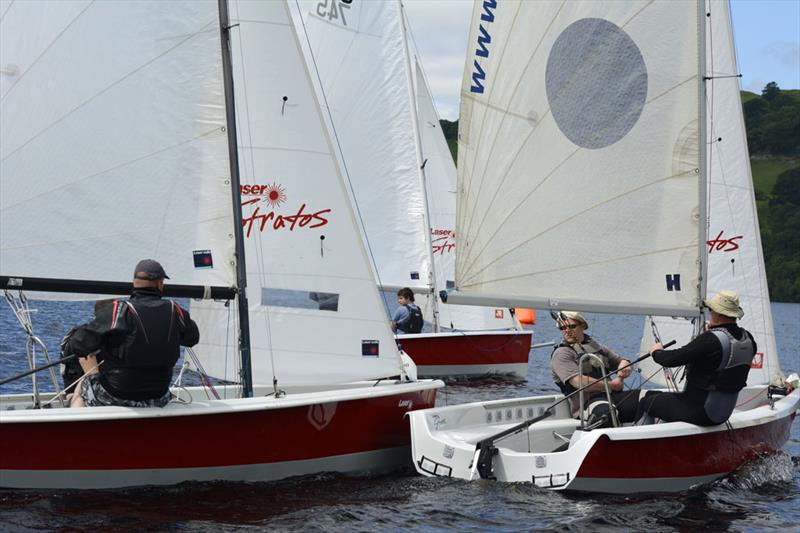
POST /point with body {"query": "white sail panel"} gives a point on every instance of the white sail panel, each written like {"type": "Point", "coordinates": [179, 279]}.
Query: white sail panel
{"type": "Point", "coordinates": [734, 254]}
{"type": "Point", "coordinates": [113, 120]}
{"type": "Point", "coordinates": [578, 154]}
{"type": "Point", "coordinates": [440, 182]}
{"type": "Point", "coordinates": [304, 250]}
{"type": "Point", "coordinates": [359, 53]}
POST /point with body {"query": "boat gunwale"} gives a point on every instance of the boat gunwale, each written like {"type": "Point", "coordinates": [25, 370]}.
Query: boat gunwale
{"type": "Point", "coordinates": [366, 390]}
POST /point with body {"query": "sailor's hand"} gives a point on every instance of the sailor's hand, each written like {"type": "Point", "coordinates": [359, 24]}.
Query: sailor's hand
{"type": "Point", "coordinates": [657, 346]}
{"type": "Point", "coordinates": [625, 369]}
{"type": "Point", "coordinates": [616, 384]}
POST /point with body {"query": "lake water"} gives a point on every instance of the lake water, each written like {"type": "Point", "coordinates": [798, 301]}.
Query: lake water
{"type": "Point", "coordinates": [762, 496]}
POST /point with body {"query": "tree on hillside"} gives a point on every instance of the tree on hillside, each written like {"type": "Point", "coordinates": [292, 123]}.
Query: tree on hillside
{"type": "Point", "coordinates": [773, 122]}
{"type": "Point", "coordinates": [781, 245]}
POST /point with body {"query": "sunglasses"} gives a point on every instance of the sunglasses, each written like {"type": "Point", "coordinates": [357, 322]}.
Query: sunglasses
{"type": "Point", "coordinates": [568, 326]}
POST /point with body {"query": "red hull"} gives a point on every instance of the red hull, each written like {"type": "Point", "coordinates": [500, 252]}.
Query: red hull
{"type": "Point", "coordinates": [230, 439]}
{"type": "Point", "coordinates": [705, 455]}
{"type": "Point", "coordinates": [485, 350]}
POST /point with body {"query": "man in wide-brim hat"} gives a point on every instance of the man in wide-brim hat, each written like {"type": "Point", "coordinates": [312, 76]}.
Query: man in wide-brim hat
{"type": "Point", "coordinates": [717, 361]}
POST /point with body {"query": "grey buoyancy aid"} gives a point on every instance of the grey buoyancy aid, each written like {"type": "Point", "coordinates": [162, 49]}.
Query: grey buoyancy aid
{"type": "Point", "coordinates": [590, 366]}
{"type": "Point", "coordinates": [737, 355]}
{"type": "Point", "coordinates": [731, 375]}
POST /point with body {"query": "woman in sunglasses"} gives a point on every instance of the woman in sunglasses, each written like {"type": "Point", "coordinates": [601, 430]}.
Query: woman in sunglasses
{"type": "Point", "coordinates": [564, 363]}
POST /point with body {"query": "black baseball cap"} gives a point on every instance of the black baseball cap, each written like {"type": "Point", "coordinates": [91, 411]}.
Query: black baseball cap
{"type": "Point", "coordinates": [149, 269]}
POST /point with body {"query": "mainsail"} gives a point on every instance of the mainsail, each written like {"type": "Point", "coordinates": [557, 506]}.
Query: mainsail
{"type": "Point", "coordinates": [315, 313]}
{"type": "Point", "coordinates": [734, 254]}
{"type": "Point", "coordinates": [66, 90]}
{"type": "Point", "coordinates": [579, 160]}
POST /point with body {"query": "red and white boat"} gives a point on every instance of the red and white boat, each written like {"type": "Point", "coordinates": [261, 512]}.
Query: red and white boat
{"type": "Point", "coordinates": [403, 178]}
{"type": "Point", "coordinates": [630, 152]}
{"type": "Point", "coordinates": [469, 354]}
{"type": "Point", "coordinates": [118, 125]}
{"type": "Point", "coordinates": [665, 457]}
{"type": "Point", "coordinates": [360, 428]}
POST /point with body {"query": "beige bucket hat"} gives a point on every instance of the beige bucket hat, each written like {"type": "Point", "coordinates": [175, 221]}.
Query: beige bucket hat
{"type": "Point", "coordinates": [725, 303]}
{"type": "Point", "coordinates": [573, 315]}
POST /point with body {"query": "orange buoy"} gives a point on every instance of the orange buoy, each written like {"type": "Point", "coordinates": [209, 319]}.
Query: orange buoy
{"type": "Point", "coordinates": [525, 316]}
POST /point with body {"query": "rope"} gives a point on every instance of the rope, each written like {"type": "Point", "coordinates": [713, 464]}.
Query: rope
{"type": "Point", "coordinates": [207, 385]}
{"type": "Point", "coordinates": [756, 395]}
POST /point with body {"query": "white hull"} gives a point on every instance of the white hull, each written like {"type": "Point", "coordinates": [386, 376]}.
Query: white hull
{"type": "Point", "coordinates": [664, 457]}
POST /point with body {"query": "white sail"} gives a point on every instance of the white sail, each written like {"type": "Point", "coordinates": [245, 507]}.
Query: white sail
{"type": "Point", "coordinates": [94, 107]}
{"type": "Point", "coordinates": [440, 182]}
{"type": "Point", "coordinates": [315, 313]}
{"type": "Point", "coordinates": [578, 156]}
{"type": "Point", "coordinates": [734, 254]}
{"type": "Point", "coordinates": [360, 53]}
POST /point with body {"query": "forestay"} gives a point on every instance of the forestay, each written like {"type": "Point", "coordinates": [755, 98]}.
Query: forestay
{"type": "Point", "coordinates": [735, 257]}
{"type": "Point", "coordinates": [579, 182]}
{"type": "Point", "coordinates": [90, 186]}
{"type": "Point", "coordinates": [315, 313]}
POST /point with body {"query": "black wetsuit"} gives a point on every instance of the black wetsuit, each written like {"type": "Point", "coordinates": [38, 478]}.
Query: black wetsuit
{"type": "Point", "coordinates": [706, 399]}
{"type": "Point", "coordinates": [139, 342]}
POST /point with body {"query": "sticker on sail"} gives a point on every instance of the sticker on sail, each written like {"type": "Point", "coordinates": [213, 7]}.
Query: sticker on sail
{"type": "Point", "coordinates": [370, 348]}
{"type": "Point", "coordinates": [262, 210]}
{"type": "Point", "coordinates": [673, 282]}
{"type": "Point", "coordinates": [414, 274]}
{"type": "Point", "coordinates": [499, 313]}
{"type": "Point", "coordinates": [443, 241]}
{"type": "Point", "coordinates": [596, 83]}
{"type": "Point", "coordinates": [758, 360]}
{"type": "Point", "coordinates": [723, 244]}
{"type": "Point", "coordinates": [484, 39]}
{"type": "Point", "coordinates": [203, 259]}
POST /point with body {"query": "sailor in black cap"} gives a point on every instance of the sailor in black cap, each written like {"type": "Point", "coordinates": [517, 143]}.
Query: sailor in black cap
{"type": "Point", "coordinates": [138, 341]}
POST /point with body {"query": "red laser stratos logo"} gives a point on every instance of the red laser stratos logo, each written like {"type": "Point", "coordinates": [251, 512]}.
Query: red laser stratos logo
{"type": "Point", "coordinates": [265, 201]}
{"type": "Point", "coordinates": [443, 241]}
{"type": "Point", "coordinates": [722, 244]}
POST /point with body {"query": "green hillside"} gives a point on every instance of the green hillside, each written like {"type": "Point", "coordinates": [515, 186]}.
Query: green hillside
{"type": "Point", "coordinates": [772, 120]}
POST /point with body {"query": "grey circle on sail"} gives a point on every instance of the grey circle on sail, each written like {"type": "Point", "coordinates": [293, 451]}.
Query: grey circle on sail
{"type": "Point", "coordinates": [596, 82]}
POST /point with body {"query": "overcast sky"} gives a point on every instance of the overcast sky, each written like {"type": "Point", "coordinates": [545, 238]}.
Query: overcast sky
{"type": "Point", "coordinates": [767, 34]}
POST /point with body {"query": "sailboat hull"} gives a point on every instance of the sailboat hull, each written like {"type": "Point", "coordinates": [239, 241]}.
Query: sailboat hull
{"type": "Point", "coordinates": [254, 439]}
{"type": "Point", "coordinates": [469, 354]}
{"type": "Point", "coordinates": [555, 454]}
